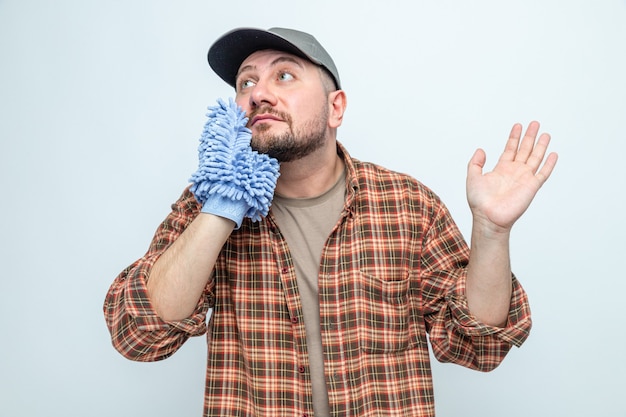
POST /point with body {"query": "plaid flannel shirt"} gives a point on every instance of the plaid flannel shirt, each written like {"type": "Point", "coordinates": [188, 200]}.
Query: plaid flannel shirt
{"type": "Point", "coordinates": [392, 270]}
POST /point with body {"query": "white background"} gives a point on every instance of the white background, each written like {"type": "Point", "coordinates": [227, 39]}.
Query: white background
{"type": "Point", "coordinates": [101, 107]}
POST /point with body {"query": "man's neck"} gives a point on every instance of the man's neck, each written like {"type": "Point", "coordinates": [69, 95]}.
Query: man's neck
{"type": "Point", "coordinates": [310, 176]}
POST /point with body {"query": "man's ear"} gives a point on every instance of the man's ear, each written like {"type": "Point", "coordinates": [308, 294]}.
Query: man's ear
{"type": "Point", "coordinates": [337, 103]}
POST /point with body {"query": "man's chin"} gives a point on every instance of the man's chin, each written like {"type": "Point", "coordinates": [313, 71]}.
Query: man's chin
{"type": "Point", "coordinates": [260, 145]}
{"type": "Point", "coordinates": [271, 149]}
{"type": "Point", "coordinates": [285, 148]}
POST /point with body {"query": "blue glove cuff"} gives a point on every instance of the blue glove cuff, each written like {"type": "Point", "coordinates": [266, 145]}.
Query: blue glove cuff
{"type": "Point", "coordinates": [223, 206]}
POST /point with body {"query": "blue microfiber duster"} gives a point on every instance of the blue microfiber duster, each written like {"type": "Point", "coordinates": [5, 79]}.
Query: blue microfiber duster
{"type": "Point", "coordinates": [232, 180]}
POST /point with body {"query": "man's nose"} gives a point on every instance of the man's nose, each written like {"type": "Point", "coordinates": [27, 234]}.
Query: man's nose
{"type": "Point", "coordinates": [262, 94]}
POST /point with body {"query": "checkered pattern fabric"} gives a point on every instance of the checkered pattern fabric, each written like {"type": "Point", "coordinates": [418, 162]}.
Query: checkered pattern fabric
{"type": "Point", "coordinates": [392, 271]}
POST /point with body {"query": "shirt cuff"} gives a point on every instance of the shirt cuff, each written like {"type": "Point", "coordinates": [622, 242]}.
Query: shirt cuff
{"type": "Point", "coordinates": [519, 320]}
{"type": "Point", "coordinates": [140, 308]}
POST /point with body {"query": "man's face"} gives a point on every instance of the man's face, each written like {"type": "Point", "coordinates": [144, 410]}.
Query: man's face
{"type": "Point", "coordinates": [285, 101]}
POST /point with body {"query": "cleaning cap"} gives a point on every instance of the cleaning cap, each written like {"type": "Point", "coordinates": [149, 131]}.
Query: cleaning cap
{"type": "Point", "coordinates": [228, 52]}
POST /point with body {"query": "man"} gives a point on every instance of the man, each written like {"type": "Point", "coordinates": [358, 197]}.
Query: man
{"type": "Point", "coordinates": [323, 307]}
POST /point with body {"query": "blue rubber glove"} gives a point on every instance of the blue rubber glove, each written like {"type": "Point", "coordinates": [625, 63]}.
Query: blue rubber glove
{"type": "Point", "coordinates": [232, 180]}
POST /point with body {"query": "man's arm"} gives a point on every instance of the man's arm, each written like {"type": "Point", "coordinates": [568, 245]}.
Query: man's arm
{"type": "Point", "coordinates": [180, 275]}
{"type": "Point", "coordinates": [232, 182]}
{"type": "Point", "coordinates": [497, 199]}
{"type": "Point", "coordinates": [137, 331]}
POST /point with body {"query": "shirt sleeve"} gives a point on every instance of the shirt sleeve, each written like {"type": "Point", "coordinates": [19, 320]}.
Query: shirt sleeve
{"type": "Point", "coordinates": [455, 334]}
{"type": "Point", "coordinates": [136, 330]}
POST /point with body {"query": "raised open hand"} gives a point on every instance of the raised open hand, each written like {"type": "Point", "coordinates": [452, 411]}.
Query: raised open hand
{"type": "Point", "coordinates": [498, 198]}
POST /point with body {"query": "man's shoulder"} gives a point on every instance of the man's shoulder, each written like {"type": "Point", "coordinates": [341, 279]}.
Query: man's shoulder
{"type": "Point", "coordinates": [370, 171]}
{"type": "Point", "coordinates": [373, 178]}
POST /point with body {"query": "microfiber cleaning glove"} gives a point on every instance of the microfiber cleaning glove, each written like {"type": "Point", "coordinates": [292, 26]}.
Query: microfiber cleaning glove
{"type": "Point", "coordinates": [232, 180]}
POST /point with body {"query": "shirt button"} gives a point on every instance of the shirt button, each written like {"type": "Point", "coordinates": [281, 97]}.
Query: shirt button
{"type": "Point", "coordinates": [294, 320]}
{"type": "Point", "coordinates": [301, 369]}
{"type": "Point", "coordinates": [284, 270]}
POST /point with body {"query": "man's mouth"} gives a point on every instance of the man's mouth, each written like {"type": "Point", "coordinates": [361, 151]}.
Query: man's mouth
{"type": "Point", "coordinates": [263, 118]}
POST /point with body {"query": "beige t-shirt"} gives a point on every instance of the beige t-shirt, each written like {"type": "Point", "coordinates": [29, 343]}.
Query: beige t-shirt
{"type": "Point", "coordinates": [306, 225]}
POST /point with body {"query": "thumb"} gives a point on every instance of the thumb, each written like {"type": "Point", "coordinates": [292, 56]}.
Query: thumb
{"type": "Point", "coordinates": [476, 164]}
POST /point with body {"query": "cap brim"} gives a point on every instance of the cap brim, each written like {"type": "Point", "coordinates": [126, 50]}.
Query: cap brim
{"type": "Point", "coordinates": [228, 52]}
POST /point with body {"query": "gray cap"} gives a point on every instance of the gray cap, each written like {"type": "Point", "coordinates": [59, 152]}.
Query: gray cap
{"type": "Point", "coordinates": [228, 52]}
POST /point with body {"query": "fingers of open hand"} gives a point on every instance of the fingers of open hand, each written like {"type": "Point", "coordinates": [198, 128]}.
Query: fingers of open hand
{"type": "Point", "coordinates": [529, 150]}
{"type": "Point", "coordinates": [520, 151]}
{"type": "Point", "coordinates": [532, 152]}
{"type": "Point", "coordinates": [527, 146]}
{"type": "Point", "coordinates": [537, 152]}
{"type": "Point", "coordinates": [512, 145]}
{"type": "Point", "coordinates": [546, 170]}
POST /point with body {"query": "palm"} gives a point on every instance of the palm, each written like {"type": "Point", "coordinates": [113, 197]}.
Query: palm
{"type": "Point", "coordinates": [500, 197]}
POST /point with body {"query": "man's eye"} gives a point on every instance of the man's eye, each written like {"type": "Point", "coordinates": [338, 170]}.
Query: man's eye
{"type": "Point", "coordinates": [285, 76]}
{"type": "Point", "coordinates": [246, 83]}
